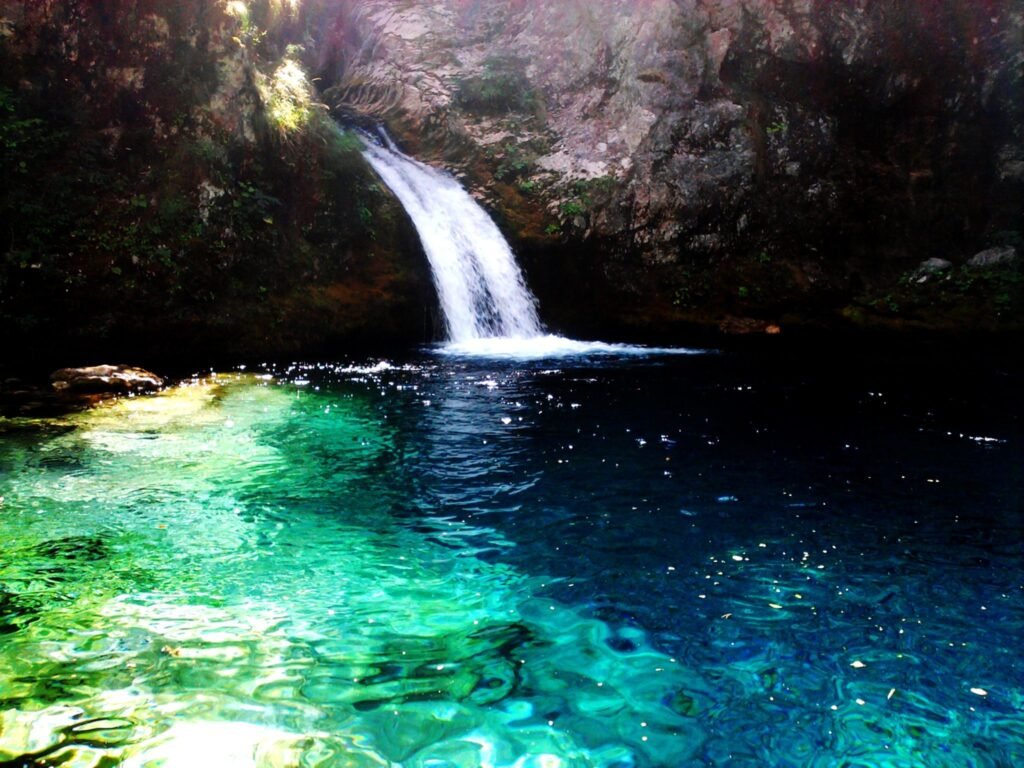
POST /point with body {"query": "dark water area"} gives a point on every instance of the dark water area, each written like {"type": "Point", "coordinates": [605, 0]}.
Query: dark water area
{"type": "Point", "coordinates": [754, 555]}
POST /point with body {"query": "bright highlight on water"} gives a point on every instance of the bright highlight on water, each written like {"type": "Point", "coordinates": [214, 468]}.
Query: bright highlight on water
{"type": "Point", "coordinates": [219, 574]}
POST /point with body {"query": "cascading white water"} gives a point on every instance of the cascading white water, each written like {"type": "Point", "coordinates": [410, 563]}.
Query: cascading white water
{"type": "Point", "coordinates": [488, 309]}
{"type": "Point", "coordinates": [480, 287]}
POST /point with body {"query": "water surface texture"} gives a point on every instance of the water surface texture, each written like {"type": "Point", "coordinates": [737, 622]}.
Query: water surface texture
{"type": "Point", "coordinates": [444, 561]}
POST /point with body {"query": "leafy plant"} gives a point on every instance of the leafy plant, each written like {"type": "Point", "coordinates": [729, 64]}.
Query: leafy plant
{"type": "Point", "coordinates": [586, 194]}
{"type": "Point", "coordinates": [572, 208]}
{"type": "Point", "coordinates": [516, 162]}
{"type": "Point", "coordinates": [23, 139]}
{"type": "Point", "coordinates": [502, 86]}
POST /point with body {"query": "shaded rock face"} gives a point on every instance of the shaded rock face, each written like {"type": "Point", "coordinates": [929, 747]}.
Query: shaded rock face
{"type": "Point", "coordinates": [173, 194]}
{"type": "Point", "coordinates": [684, 158]}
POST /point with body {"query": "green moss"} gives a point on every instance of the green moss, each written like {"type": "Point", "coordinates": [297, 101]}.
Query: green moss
{"type": "Point", "coordinates": [973, 296]}
{"type": "Point", "coordinates": [586, 195]}
{"type": "Point", "coordinates": [501, 87]}
{"type": "Point", "coordinates": [516, 161]}
{"type": "Point", "coordinates": [572, 208]}
{"type": "Point", "coordinates": [592, 190]}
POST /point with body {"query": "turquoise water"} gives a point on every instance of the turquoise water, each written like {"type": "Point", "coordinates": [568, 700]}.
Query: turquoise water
{"type": "Point", "coordinates": [452, 562]}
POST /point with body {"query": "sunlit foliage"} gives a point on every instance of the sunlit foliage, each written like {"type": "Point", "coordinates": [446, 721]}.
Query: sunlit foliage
{"type": "Point", "coordinates": [288, 98]}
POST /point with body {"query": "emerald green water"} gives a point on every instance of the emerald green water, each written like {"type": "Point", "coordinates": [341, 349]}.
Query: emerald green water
{"type": "Point", "coordinates": [455, 563]}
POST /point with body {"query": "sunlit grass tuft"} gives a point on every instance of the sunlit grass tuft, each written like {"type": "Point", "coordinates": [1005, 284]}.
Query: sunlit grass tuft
{"type": "Point", "coordinates": [288, 98]}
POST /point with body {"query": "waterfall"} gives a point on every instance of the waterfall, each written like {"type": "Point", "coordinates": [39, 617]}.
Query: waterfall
{"type": "Point", "coordinates": [488, 310]}
{"type": "Point", "coordinates": [480, 287]}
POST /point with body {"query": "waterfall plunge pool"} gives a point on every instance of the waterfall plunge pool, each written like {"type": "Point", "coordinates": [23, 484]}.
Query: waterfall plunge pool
{"type": "Point", "coordinates": [450, 561]}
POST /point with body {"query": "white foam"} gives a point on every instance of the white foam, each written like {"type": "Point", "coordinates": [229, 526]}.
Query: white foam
{"type": "Point", "coordinates": [551, 346]}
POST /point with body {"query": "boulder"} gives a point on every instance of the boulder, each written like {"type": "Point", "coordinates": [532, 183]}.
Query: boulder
{"type": "Point", "coordinates": [931, 267]}
{"type": "Point", "coordinates": [105, 378]}
{"type": "Point", "coordinates": [1000, 256]}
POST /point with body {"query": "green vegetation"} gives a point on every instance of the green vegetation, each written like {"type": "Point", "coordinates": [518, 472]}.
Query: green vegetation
{"type": "Point", "coordinates": [986, 295]}
{"type": "Point", "coordinates": [571, 208]}
{"type": "Point", "coordinates": [693, 288]}
{"type": "Point", "coordinates": [597, 188]}
{"type": "Point", "coordinates": [23, 139]}
{"type": "Point", "coordinates": [288, 99]}
{"type": "Point", "coordinates": [585, 195]}
{"type": "Point", "coordinates": [501, 87]}
{"type": "Point", "coordinates": [123, 214]}
{"type": "Point", "coordinates": [516, 161]}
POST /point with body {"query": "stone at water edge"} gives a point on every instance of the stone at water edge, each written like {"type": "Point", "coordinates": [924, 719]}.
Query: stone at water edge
{"type": "Point", "coordinates": [105, 378]}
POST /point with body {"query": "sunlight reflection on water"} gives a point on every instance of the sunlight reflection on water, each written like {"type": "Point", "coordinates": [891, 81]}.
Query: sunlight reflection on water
{"type": "Point", "coordinates": [455, 562]}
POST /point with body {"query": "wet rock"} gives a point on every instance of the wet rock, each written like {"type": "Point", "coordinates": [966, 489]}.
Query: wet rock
{"type": "Point", "coordinates": [1004, 256]}
{"type": "Point", "coordinates": [930, 268]}
{"type": "Point", "coordinates": [105, 378]}
{"type": "Point", "coordinates": [741, 326]}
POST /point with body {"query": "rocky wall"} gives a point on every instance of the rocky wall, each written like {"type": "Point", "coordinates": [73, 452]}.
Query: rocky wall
{"type": "Point", "coordinates": [703, 159]}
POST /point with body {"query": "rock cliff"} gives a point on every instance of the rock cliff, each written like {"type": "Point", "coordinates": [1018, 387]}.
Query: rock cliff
{"type": "Point", "coordinates": [701, 158]}
{"type": "Point", "coordinates": [176, 184]}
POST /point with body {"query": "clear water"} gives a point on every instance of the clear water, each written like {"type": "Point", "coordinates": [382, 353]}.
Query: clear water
{"type": "Point", "coordinates": [704, 560]}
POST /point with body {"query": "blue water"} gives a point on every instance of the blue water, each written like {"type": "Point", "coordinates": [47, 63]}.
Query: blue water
{"type": "Point", "coordinates": [736, 558]}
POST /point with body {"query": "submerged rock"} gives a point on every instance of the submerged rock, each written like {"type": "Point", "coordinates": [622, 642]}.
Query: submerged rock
{"type": "Point", "coordinates": [105, 378]}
